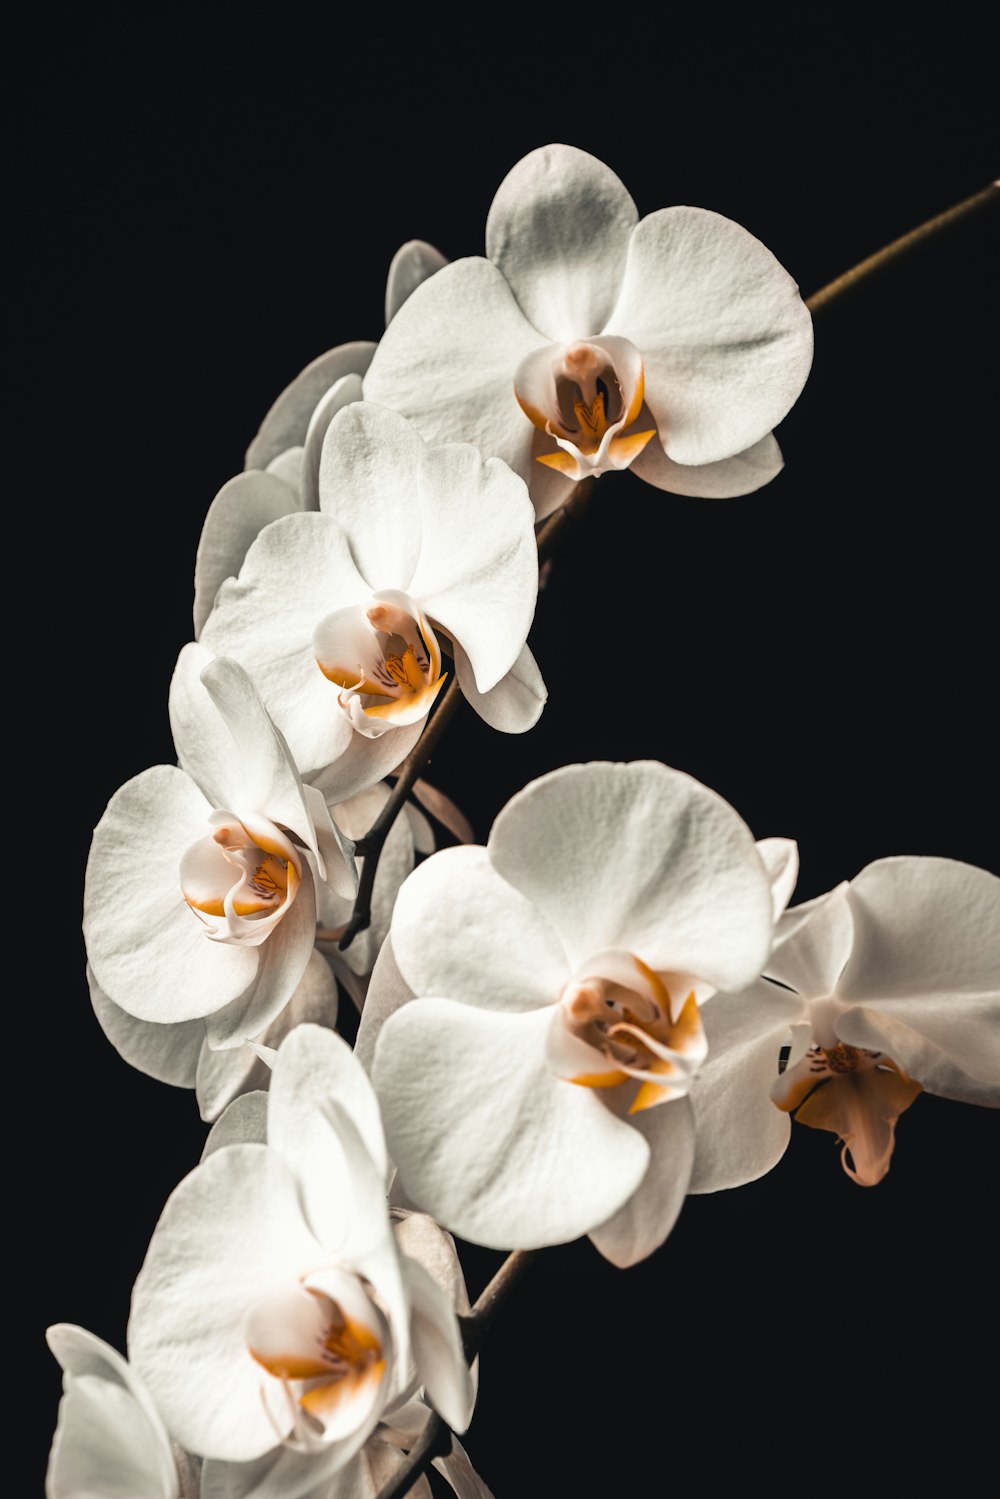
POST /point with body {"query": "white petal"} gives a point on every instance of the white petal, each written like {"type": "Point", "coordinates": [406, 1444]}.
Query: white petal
{"type": "Point", "coordinates": [559, 230]}
{"type": "Point", "coordinates": [229, 1231]}
{"type": "Point", "coordinates": [364, 762]}
{"type": "Point", "coordinates": [437, 1347]}
{"type": "Point", "coordinates": [244, 1122]}
{"type": "Point", "coordinates": [283, 1473]}
{"type": "Point", "coordinates": [461, 931]}
{"type": "Point", "coordinates": [412, 265]}
{"type": "Point", "coordinates": [367, 483]}
{"type": "Point", "coordinates": [460, 1473]}
{"type": "Point", "coordinates": [781, 860]}
{"type": "Point", "coordinates": [645, 1220]}
{"type": "Point", "coordinates": [515, 704]}
{"type": "Point", "coordinates": [743, 473]}
{"type": "Point", "coordinates": [346, 390]}
{"type": "Point", "coordinates": [287, 467]}
{"type": "Point", "coordinates": [447, 362]}
{"type": "Point", "coordinates": [810, 953]}
{"type": "Point", "coordinates": [486, 1139]}
{"type": "Point", "coordinates": [237, 515]}
{"type": "Point", "coordinates": [927, 953]}
{"type": "Point", "coordinates": [315, 1066]}
{"type": "Point", "coordinates": [148, 949]}
{"type": "Point", "coordinates": [477, 576]}
{"type": "Point", "coordinates": [167, 1052]}
{"type": "Point", "coordinates": [387, 992]}
{"type": "Point", "coordinates": [725, 338]}
{"type": "Point", "coordinates": [641, 858]}
{"type": "Point", "coordinates": [103, 1447]}
{"type": "Point", "coordinates": [930, 1064]}
{"type": "Point", "coordinates": [422, 1238]}
{"type": "Point", "coordinates": [287, 422]}
{"type": "Point", "coordinates": [297, 571]}
{"type": "Point", "coordinates": [739, 1133]}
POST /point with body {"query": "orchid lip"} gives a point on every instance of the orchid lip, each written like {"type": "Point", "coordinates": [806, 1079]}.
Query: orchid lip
{"type": "Point", "coordinates": [614, 1024]}
{"type": "Point", "coordinates": [584, 395]}
{"type": "Point", "coordinates": [242, 878]}
{"type": "Point", "coordinates": [385, 658]}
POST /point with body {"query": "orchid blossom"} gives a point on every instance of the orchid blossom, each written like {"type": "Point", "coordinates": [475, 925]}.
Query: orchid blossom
{"type": "Point", "coordinates": [275, 1319]}
{"type": "Point", "coordinates": [200, 905]}
{"type": "Point", "coordinates": [281, 473]}
{"type": "Point", "coordinates": [590, 340]}
{"type": "Point", "coordinates": [887, 986]}
{"type": "Point", "coordinates": [339, 616]}
{"type": "Point", "coordinates": [533, 1022]}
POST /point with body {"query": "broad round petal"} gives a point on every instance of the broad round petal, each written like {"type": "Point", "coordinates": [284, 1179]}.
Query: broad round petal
{"type": "Point", "coordinates": [645, 1220]}
{"type": "Point", "coordinates": [447, 362]}
{"type": "Point", "coordinates": [104, 1448]}
{"type": "Point", "coordinates": [148, 949]}
{"type": "Point", "coordinates": [642, 858]}
{"type": "Point", "coordinates": [461, 931]}
{"type": "Point", "coordinates": [477, 576]}
{"type": "Point", "coordinates": [725, 338]}
{"type": "Point", "coordinates": [741, 474]}
{"type": "Point", "coordinates": [167, 1052]}
{"type": "Point", "coordinates": [739, 1133]}
{"type": "Point", "coordinates": [810, 953]}
{"type": "Point", "coordinates": [314, 1066]}
{"type": "Point", "coordinates": [297, 571]}
{"type": "Point", "coordinates": [412, 265]}
{"type": "Point", "coordinates": [486, 1139]}
{"type": "Point", "coordinates": [230, 1231]}
{"type": "Point", "coordinates": [236, 517]}
{"type": "Point", "coordinates": [927, 952]}
{"type": "Point", "coordinates": [515, 704]}
{"type": "Point", "coordinates": [287, 422]}
{"type": "Point", "coordinates": [559, 230]}
{"type": "Point", "coordinates": [367, 483]}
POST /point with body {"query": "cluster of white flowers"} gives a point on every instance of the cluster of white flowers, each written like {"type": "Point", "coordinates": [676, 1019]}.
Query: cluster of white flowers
{"type": "Point", "coordinates": [563, 1033]}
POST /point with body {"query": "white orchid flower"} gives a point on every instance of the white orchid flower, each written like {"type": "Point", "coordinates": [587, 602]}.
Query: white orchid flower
{"type": "Point", "coordinates": [281, 473]}
{"type": "Point", "coordinates": [591, 340]}
{"type": "Point", "coordinates": [337, 615]}
{"type": "Point", "coordinates": [200, 904]}
{"type": "Point", "coordinates": [275, 1320]}
{"type": "Point", "coordinates": [535, 1089]}
{"type": "Point", "coordinates": [888, 985]}
{"type": "Point", "coordinates": [110, 1441]}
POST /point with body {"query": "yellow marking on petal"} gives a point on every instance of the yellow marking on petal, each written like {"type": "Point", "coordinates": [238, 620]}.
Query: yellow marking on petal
{"type": "Point", "coordinates": [430, 645]}
{"type": "Point", "coordinates": [635, 405]}
{"type": "Point", "coordinates": [342, 676]}
{"type": "Point", "coordinates": [404, 707]}
{"type": "Point", "coordinates": [650, 1094]}
{"type": "Point", "coordinates": [598, 1079]}
{"type": "Point", "coordinates": [291, 1365]}
{"type": "Point", "coordinates": [625, 450]}
{"type": "Point", "coordinates": [324, 1398]}
{"type": "Point", "coordinates": [564, 462]}
{"type": "Point", "coordinates": [686, 1033]}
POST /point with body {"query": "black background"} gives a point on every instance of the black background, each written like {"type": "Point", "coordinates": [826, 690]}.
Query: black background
{"type": "Point", "coordinates": [211, 204]}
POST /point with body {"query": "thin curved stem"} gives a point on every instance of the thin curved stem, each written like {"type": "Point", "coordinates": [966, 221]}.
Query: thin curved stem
{"type": "Point", "coordinates": [435, 1439]}
{"type": "Point", "coordinates": [902, 246]}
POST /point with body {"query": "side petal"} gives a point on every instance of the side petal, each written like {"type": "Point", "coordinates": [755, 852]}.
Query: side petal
{"type": "Point", "coordinates": [810, 952]}
{"type": "Point", "coordinates": [237, 515]}
{"type": "Point", "coordinates": [559, 231]}
{"type": "Point", "coordinates": [929, 1063]}
{"type": "Point", "coordinates": [645, 1220]}
{"type": "Point", "coordinates": [927, 952]}
{"type": "Point", "coordinates": [725, 337]}
{"type": "Point", "coordinates": [743, 473]}
{"type": "Point", "coordinates": [781, 860]}
{"type": "Point", "coordinates": [437, 1347]}
{"type": "Point", "coordinates": [515, 704]}
{"type": "Point", "coordinates": [642, 858]}
{"type": "Point", "coordinates": [244, 1122]}
{"type": "Point", "coordinates": [388, 991]}
{"type": "Point", "coordinates": [315, 1066]}
{"type": "Point", "coordinates": [486, 1139]}
{"type": "Point", "coordinates": [103, 1446]}
{"type": "Point", "coordinates": [412, 265]}
{"type": "Point", "coordinates": [287, 422]}
{"type": "Point", "coordinates": [167, 1052]}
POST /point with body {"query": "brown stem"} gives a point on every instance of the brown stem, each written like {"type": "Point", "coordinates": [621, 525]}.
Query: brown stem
{"type": "Point", "coordinates": [902, 246]}
{"type": "Point", "coordinates": [435, 1439]}
{"type": "Point", "coordinates": [548, 535]}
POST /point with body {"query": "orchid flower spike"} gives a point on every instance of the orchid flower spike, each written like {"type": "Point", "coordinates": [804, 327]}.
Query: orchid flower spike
{"type": "Point", "coordinates": [590, 340]}
{"type": "Point", "coordinates": [340, 616]}
{"type": "Point", "coordinates": [275, 1319]}
{"type": "Point", "coordinates": [110, 1440]}
{"type": "Point", "coordinates": [533, 1022]}
{"type": "Point", "coordinates": [281, 473]}
{"type": "Point", "coordinates": [200, 904]}
{"type": "Point", "coordinates": [887, 986]}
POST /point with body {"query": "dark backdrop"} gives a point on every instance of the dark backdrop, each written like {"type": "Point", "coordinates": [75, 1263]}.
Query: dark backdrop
{"type": "Point", "coordinates": [214, 202]}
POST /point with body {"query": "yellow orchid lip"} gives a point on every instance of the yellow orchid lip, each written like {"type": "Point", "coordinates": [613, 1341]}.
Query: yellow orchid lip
{"type": "Point", "coordinates": [241, 878]}
{"type": "Point", "coordinates": [386, 660]}
{"type": "Point", "coordinates": [620, 1028]}
{"type": "Point", "coordinates": [855, 1093]}
{"type": "Point", "coordinates": [584, 395]}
